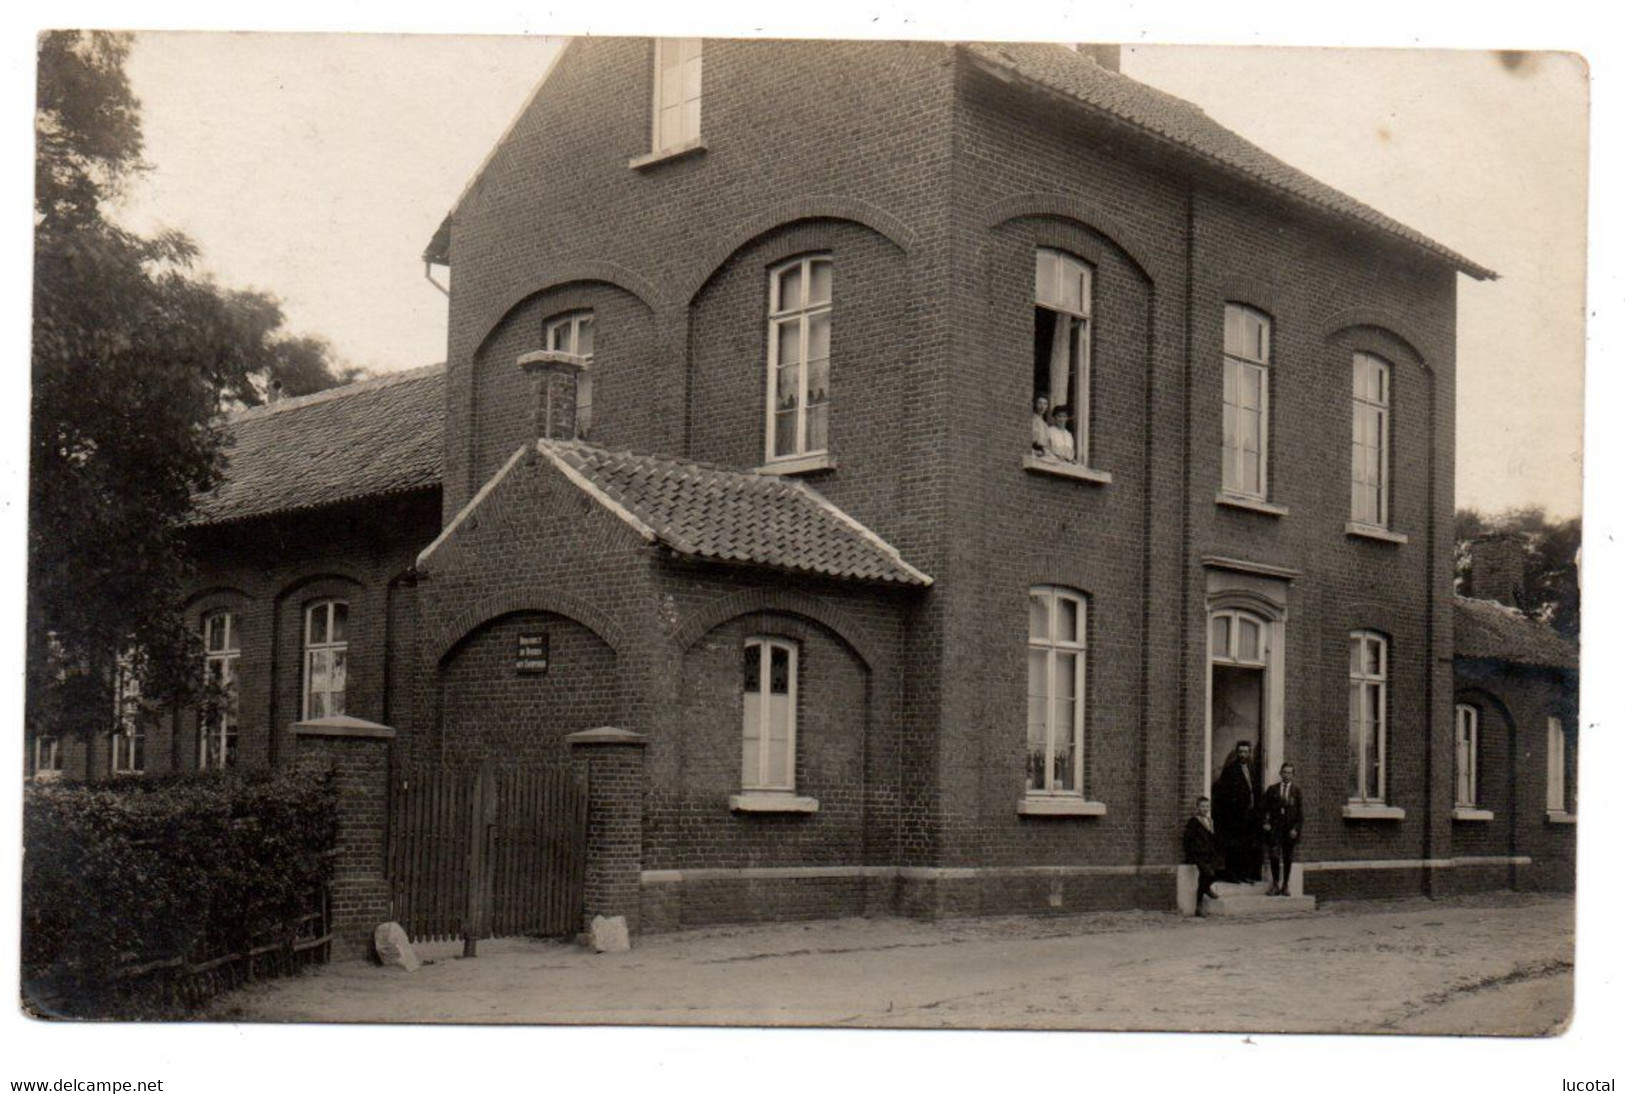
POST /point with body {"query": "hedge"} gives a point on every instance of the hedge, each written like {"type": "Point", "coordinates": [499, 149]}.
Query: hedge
{"type": "Point", "coordinates": [132, 884]}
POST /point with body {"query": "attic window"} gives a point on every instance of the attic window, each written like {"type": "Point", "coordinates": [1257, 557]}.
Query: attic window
{"type": "Point", "coordinates": [676, 93]}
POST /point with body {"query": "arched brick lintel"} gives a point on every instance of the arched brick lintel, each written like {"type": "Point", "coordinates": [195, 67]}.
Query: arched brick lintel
{"type": "Point", "coordinates": [789, 211]}
{"type": "Point", "coordinates": [786, 602]}
{"type": "Point", "coordinates": [1068, 207]}
{"type": "Point", "coordinates": [495, 606]}
{"type": "Point", "coordinates": [1387, 323]}
{"type": "Point", "coordinates": [545, 280]}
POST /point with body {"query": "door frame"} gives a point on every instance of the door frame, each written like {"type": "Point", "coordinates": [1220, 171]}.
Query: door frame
{"type": "Point", "coordinates": [1246, 596]}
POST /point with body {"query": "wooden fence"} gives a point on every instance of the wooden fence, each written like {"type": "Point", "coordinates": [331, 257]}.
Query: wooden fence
{"type": "Point", "coordinates": [484, 853]}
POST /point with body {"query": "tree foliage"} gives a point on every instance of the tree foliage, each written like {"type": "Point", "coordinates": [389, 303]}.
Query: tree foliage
{"type": "Point", "coordinates": [134, 356]}
{"type": "Point", "coordinates": [1551, 560]}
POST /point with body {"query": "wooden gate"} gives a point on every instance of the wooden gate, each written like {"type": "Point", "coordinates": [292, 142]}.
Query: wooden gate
{"type": "Point", "coordinates": [485, 853]}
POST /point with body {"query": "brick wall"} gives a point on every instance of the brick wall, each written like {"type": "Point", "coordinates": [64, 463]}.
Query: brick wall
{"type": "Point", "coordinates": [358, 895]}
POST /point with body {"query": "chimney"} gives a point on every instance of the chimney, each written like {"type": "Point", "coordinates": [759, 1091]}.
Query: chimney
{"type": "Point", "coordinates": [554, 374]}
{"type": "Point", "coordinates": [1498, 568]}
{"type": "Point", "coordinates": [1107, 56]}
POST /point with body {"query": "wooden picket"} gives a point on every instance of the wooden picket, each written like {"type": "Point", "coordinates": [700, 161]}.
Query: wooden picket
{"type": "Point", "coordinates": [479, 853]}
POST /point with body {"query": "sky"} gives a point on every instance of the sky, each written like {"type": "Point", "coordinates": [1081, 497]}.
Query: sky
{"type": "Point", "coordinates": [316, 167]}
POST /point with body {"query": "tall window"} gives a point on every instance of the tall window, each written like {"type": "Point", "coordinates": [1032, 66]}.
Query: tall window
{"type": "Point", "coordinates": [769, 760]}
{"type": "Point", "coordinates": [1466, 755]}
{"type": "Point", "coordinates": [1368, 716]}
{"type": "Point", "coordinates": [1057, 633]}
{"type": "Point", "coordinates": [327, 650]}
{"type": "Point", "coordinates": [217, 731]}
{"type": "Point", "coordinates": [129, 725]}
{"type": "Point", "coordinates": [677, 92]}
{"type": "Point", "coordinates": [1062, 295]}
{"type": "Point", "coordinates": [47, 757]}
{"type": "Point", "coordinates": [572, 333]}
{"type": "Point", "coordinates": [1246, 402]}
{"type": "Point", "coordinates": [798, 357]}
{"type": "Point", "coordinates": [1559, 788]}
{"type": "Point", "coordinates": [1369, 504]}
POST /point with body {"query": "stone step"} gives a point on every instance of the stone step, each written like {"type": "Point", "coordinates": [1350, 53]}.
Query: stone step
{"type": "Point", "coordinates": [1257, 904]}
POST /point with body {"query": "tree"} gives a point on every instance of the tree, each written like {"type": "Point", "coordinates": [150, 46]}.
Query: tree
{"type": "Point", "coordinates": [134, 355]}
{"type": "Point", "coordinates": [1551, 560]}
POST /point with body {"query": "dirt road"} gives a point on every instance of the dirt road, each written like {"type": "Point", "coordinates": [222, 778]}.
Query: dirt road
{"type": "Point", "coordinates": [1498, 964]}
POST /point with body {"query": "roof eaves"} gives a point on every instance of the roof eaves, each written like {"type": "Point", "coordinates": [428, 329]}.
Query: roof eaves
{"type": "Point", "coordinates": [867, 534]}
{"type": "Point", "coordinates": [301, 508]}
{"type": "Point", "coordinates": [1012, 71]}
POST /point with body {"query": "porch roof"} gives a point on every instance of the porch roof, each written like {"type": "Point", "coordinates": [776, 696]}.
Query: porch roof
{"type": "Point", "coordinates": [713, 513]}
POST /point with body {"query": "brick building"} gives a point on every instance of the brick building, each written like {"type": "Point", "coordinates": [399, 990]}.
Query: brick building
{"type": "Point", "coordinates": [737, 434]}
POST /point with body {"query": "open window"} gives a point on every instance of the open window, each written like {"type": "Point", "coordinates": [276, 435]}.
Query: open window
{"type": "Point", "coordinates": [1063, 290]}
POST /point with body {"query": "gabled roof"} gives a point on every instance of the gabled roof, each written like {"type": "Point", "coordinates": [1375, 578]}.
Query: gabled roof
{"type": "Point", "coordinates": [1168, 118]}
{"type": "Point", "coordinates": [1490, 630]}
{"type": "Point", "coordinates": [372, 439]}
{"type": "Point", "coordinates": [715, 514]}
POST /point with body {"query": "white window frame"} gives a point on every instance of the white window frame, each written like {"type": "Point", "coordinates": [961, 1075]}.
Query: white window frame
{"type": "Point", "coordinates": [562, 334]}
{"type": "Point", "coordinates": [217, 741]}
{"type": "Point", "coordinates": [129, 726]}
{"type": "Point", "coordinates": [1558, 804]}
{"type": "Point", "coordinates": [1365, 737]}
{"type": "Point", "coordinates": [1241, 360]}
{"type": "Point", "coordinates": [1467, 738]}
{"type": "Point", "coordinates": [801, 314]}
{"type": "Point", "coordinates": [675, 119]}
{"type": "Point", "coordinates": [47, 757]}
{"type": "Point", "coordinates": [1051, 295]}
{"type": "Point", "coordinates": [1372, 404]}
{"type": "Point", "coordinates": [764, 780]}
{"type": "Point", "coordinates": [328, 648]}
{"type": "Point", "coordinates": [1053, 647]}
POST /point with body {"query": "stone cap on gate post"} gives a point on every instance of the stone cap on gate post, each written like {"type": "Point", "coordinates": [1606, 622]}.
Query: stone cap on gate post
{"type": "Point", "coordinates": [342, 725]}
{"type": "Point", "coordinates": [606, 735]}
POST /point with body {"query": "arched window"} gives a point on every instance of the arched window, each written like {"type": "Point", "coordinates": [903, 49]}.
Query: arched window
{"type": "Point", "coordinates": [327, 648]}
{"type": "Point", "coordinates": [1245, 452]}
{"type": "Point", "coordinates": [769, 750]}
{"type": "Point", "coordinates": [798, 328]}
{"type": "Point", "coordinates": [1368, 717]}
{"type": "Point", "coordinates": [572, 333]}
{"type": "Point", "coordinates": [217, 729]}
{"type": "Point", "coordinates": [1063, 297]}
{"type": "Point", "coordinates": [129, 719]}
{"type": "Point", "coordinates": [1369, 476]}
{"type": "Point", "coordinates": [1057, 641]}
{"type": "Point", "coordinates": [1466, 756]}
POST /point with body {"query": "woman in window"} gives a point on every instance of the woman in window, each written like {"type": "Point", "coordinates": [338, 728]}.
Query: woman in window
{"type": "Point", "coordinates": [1061, 446]}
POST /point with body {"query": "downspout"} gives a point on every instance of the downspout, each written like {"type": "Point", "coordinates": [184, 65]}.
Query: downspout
{"type": "Point", "coordinates": [428, 275]}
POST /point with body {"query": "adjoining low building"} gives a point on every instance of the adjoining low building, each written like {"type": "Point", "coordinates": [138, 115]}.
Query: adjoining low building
{"type": "Point", "coordinates": [745, 445]}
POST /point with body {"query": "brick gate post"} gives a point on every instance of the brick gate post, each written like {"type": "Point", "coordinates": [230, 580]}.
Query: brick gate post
{"type": "Point", "coordinates": [356, 753]}
{"type": "Point", "coordinates": [612, 761]}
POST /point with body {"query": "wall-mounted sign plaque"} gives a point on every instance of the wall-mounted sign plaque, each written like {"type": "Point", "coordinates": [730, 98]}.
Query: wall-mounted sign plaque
{"type": "Point", "coordinates": [532, 653]}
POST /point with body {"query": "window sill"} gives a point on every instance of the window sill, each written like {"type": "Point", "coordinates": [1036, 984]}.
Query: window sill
{"type": "Point", "coordinates": [1060, 807]}
{"type": "Point", "coordinates": [1062, 470]}
{"type": "Point", "coordinates": [1561, 816]}
{"type": "Point", "coordinates": [1372, 811]}
{"type": "Point", "coordinates": [675, 152]}
{"type": "Point", "coordinates": [1371, 531]}
{"type": "Point", "coordinates": [1251, 505]}
{"type": "Point", "coordinates": [799, 465]}
{"type": "Point", "coordinates": [1471, 813]}
{"type": "Point", "coordinates": [771, 801]}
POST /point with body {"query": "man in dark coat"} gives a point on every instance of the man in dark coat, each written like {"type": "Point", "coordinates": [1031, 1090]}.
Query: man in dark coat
{"type": "Point", "coordinates": [1282, 824]}
{"type": "Point", "coordinates": [1235, 812]}
{"type": "Point", "coordinates": [1202, 850]}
